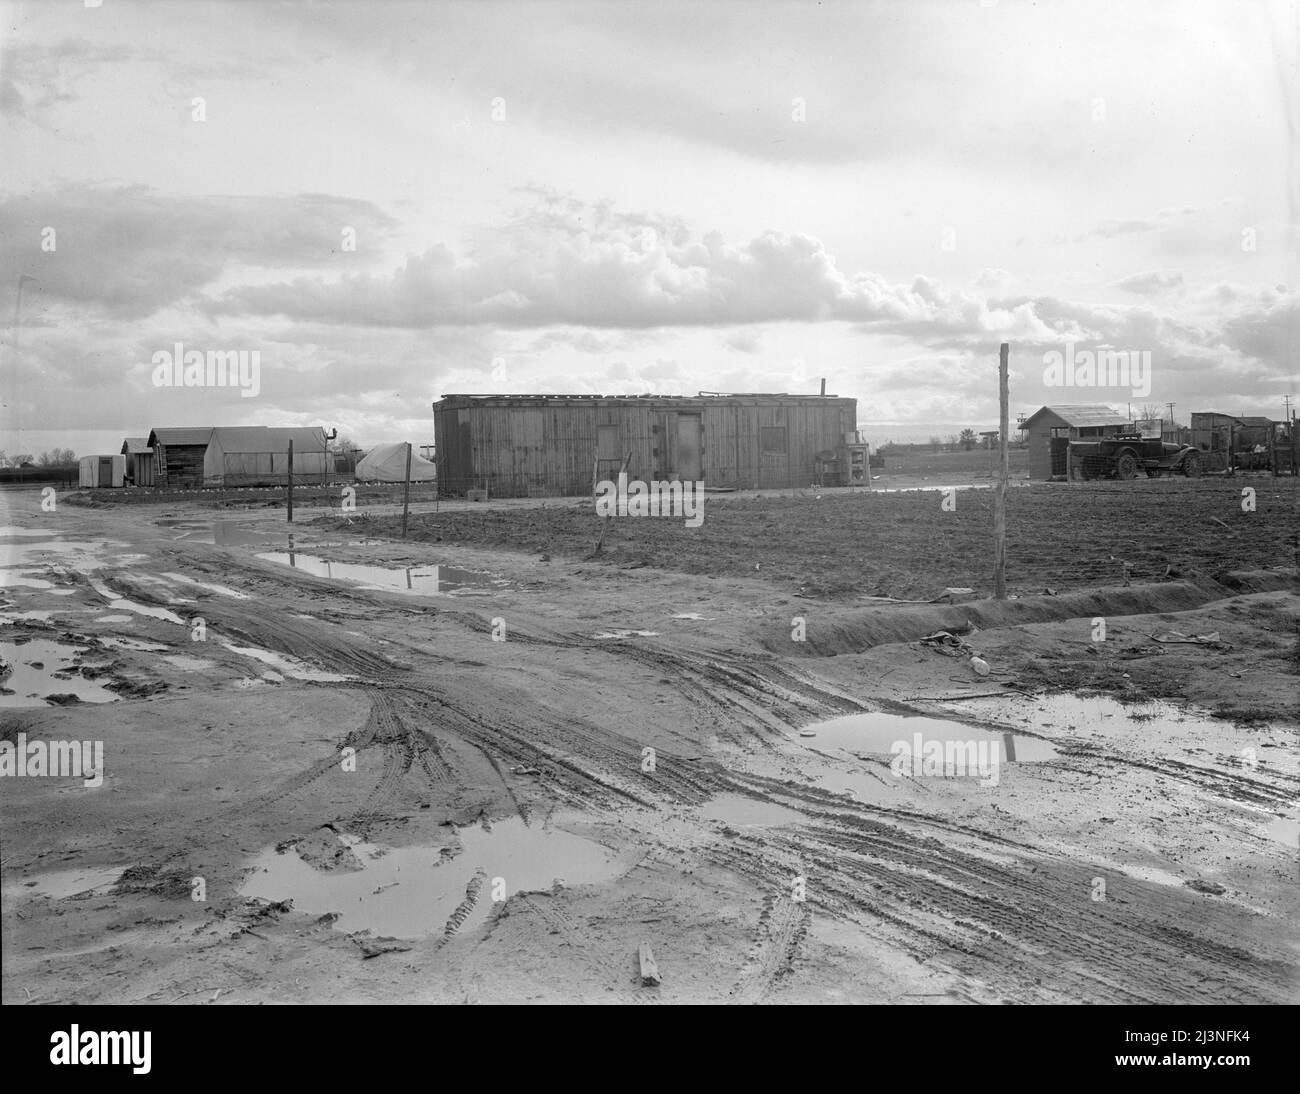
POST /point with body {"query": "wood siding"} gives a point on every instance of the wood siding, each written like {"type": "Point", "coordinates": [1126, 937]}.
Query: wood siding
{"type": "Point", "coordinates": [517, 447]}
{"type": "Point", "coordinates": [179, 465]}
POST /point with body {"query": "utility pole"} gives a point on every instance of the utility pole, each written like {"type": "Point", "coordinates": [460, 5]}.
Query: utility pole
{"type": "Point", "coordinates": [1171, 415]}
{"type": "Point", "coordinates": [1000, 496]}
{"type": "Point", "coordinates": [406, 490]}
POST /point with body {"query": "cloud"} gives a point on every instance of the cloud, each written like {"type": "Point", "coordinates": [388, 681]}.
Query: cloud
{"type": "Point", "coordinates": [563, 262]}
{"type": "Point", "coordinates": [131, 251]}
{"type": "Point", "coordinates": [1268, 333]}
{"type": "Point", "coordinates": [1111, 227]}
{"type": "Point", "coordinates": [37, 78]}
{"type": "Point", "coordinates": [1152, 282]}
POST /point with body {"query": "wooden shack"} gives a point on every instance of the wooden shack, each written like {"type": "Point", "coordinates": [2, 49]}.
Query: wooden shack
{"type": "Point", "coordinates": [553, 445]}
{"type": "Point", "coordinates": [139, 461]}
{"type": "Point", "coordinates": [1232, 440]}
{"type": "Point", "coordinates": [1050, 429]}
{"type": "Point", "coordinates": [178, 456]}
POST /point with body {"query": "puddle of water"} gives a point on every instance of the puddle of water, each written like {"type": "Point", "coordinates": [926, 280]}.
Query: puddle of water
{"type": "Point", "coordinates": [84, 554]}
{"type": "Point", "coordinates": [626, 634]}
{"type": "Point", "coordinates": [690, 615]}
{"type": "Point", "coordinates": [409, 892]}
{"type": "Point", "coordinates": [434, 580]}
{"type": "Point", "coordinates": [1284, 830]}
{"type": "Point", "coordinates": [112, 619]}
{"type": "Point", "coordinates": [287, 665]}
{"type": "Point", "coordinates": [188, 664]}
{"type": "Point", "coordinates": [65, 883]}
{"type": "Point", "coordinates": [737, 809]}
{"type": "Point", "coordinates": [226, 533]}
{"type": "Point", "coordinates": [1152, 874]}
{"type": "Point", "coordinates": [29, 684]}
{"type": "Point", "coordinates": [10, 577]}
{"type": "Point", "coordinates": [10, 531]}
{"type": "Point", "coordinates": [220, 590]}
{"type": "Point", "coordinates": [877, 732]}
{"type": "Point", "coordinates": [14, 617]}
{"type": "Point", "coordinates": [120, 602]}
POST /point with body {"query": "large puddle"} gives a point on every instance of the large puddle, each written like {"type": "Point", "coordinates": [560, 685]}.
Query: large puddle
{"type": "Point", "coordinates": [224, 533]}
{"type": "Point", "coordinates": [409, 892]}
{"type": "Point", "coordinates": [878, 732]}
{"type": "Point", "coordinates": [436, 580]}
{"type": "Point", "coordinates": [1284, 830]}
{"type": "Point", "coordinates": [33, 679]}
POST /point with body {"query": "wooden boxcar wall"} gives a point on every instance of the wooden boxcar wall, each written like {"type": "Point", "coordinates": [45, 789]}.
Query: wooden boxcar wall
{"type": "Point", "coordinates": [553, 448]}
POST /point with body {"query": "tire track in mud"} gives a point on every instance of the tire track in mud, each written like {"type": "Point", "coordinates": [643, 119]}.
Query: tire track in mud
{"type": "Point", "coordinates": [473, 890]}
{"type": "Point", "coordinates": [782, 926]}
{"type": "Point", "coordinates": [941, 891]}
{"type": "Point", "coordinates": [614, 977]}
{"type": "Point", "coordinates": [1231, 785]}
{"type": "Point", "coordinates": [1018, 926]}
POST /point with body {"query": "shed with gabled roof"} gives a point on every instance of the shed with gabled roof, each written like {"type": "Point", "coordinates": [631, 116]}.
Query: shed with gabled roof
{"type": "Point", "coordinates": [1049, 430]}
{"type": "Point", "coordinates": [139, 461]}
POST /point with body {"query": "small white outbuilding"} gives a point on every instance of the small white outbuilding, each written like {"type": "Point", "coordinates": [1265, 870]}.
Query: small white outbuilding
{"type": "Point", "coordinates": [96, 471]}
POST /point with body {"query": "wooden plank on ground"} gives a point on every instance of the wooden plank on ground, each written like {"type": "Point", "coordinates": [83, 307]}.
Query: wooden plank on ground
{"type": "Point", "coordinates": [649, 970]}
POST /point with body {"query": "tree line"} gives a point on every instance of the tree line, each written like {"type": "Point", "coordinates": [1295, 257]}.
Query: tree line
{"type": "Point", "coordinates": [55, 457]}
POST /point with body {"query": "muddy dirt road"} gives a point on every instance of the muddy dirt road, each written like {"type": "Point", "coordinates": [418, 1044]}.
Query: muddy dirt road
{"type": "Point", "coordinates": [451, 773]}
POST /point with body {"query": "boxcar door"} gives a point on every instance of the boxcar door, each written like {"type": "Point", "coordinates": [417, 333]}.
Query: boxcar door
{"type": "Point", "coordinates": [690, 447]}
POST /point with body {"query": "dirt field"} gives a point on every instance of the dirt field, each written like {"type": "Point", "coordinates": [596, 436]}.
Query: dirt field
{"type": "Point", "coordinates": [420, 784]}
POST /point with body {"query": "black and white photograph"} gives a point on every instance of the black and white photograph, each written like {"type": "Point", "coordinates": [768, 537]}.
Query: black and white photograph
{"type": "Point", "coordinates": [614, 503]}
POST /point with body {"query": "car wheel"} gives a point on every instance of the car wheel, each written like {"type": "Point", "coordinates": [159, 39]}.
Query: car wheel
{"type": "Point", "coordinates": [1126, 467]}
{"type": "Point", "coordinates": [1192, 465]}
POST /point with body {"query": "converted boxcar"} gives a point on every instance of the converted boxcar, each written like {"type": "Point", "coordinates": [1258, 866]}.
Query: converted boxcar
{"type": "Point", "coordinates": [552, 445]}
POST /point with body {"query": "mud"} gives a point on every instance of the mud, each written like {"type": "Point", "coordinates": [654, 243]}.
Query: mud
{"type": "Point", "coordinates": [322, 737]}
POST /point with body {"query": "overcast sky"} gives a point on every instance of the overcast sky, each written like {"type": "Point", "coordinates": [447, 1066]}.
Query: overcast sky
{"type": "Point", "coordinates": [630, 198]}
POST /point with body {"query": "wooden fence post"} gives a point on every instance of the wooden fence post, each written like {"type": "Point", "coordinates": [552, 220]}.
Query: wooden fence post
{"type": "Point", "coordinates": [1000, 497]}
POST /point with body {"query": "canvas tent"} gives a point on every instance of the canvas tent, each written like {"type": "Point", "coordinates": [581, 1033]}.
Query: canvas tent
{"type": "Point", "coordinates": [259, 456]}
{"type": "Point", "coordinates": [387, 463]}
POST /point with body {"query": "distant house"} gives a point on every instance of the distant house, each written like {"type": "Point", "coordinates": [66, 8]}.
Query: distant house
{"type": "Point", "coordinates": [139, 461]}
{"type": "Point", "coordinates": [188, 458]}
{"type": "Point", "coordinates": [1050, 429]}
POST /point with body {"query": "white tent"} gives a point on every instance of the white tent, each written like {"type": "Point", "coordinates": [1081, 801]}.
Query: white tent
{"type": "Point", "coordinates": [387, 463]}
